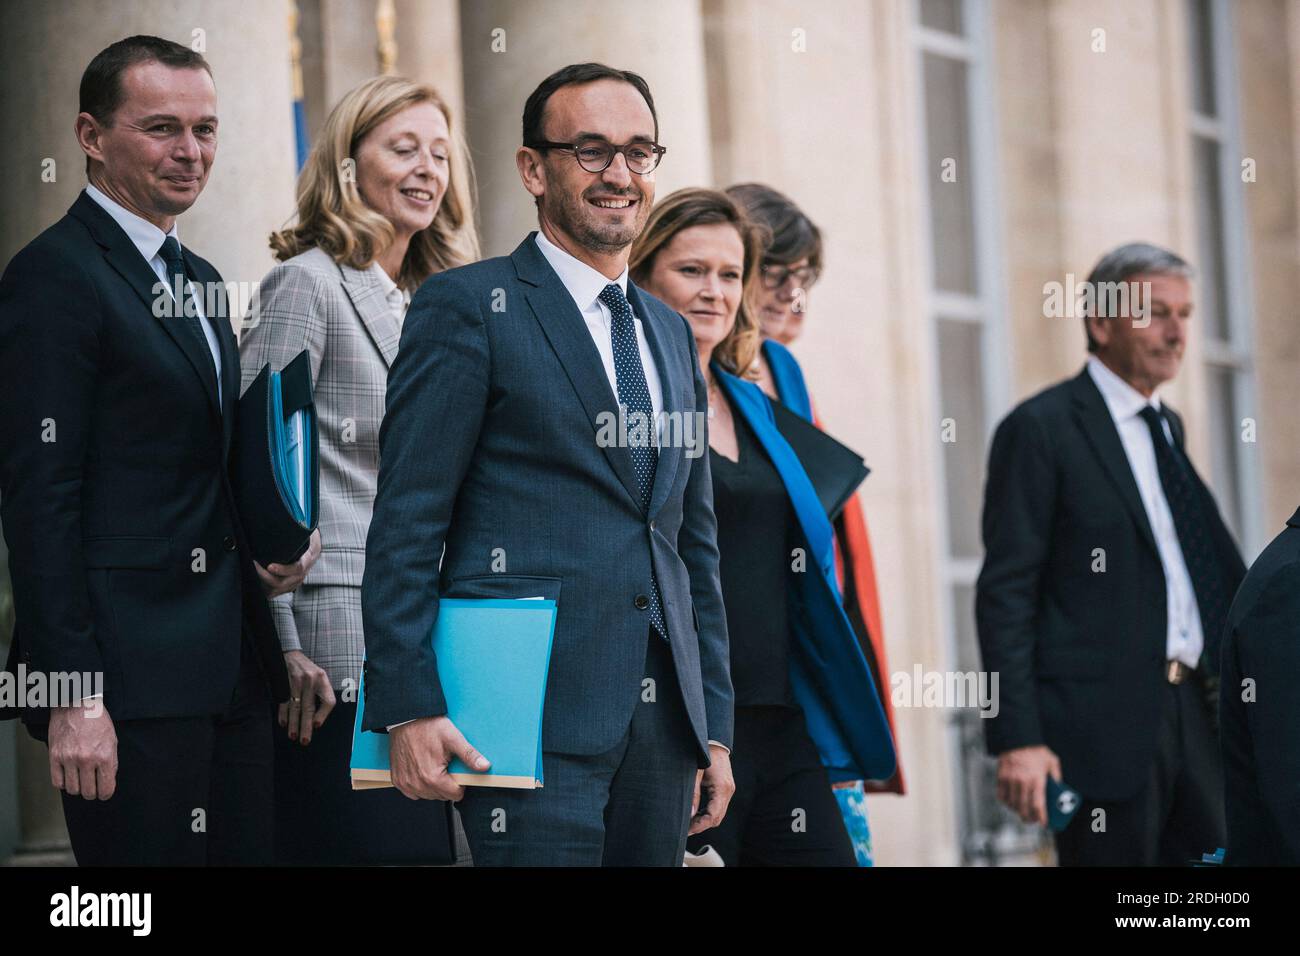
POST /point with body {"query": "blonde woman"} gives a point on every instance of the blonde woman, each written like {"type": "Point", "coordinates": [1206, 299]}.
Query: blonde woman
{"type": "Point", "coordinates": [383, 203]}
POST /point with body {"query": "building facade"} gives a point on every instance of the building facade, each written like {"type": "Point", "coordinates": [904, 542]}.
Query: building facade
{"type": "Point", "coordinates": [960, 157]}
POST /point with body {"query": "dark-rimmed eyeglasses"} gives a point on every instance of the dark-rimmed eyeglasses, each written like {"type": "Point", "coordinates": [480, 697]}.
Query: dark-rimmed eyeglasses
{"type": "Point", "coordinates": [595, 155]}
{"type": "Point", "coordinates": [775, 276]}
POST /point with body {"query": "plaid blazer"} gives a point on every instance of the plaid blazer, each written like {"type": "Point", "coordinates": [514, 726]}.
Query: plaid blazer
{"type": "Point", "coordinates": [341, 316]}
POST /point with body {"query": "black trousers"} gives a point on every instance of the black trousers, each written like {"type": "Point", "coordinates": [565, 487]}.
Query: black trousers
{"type": "Point", "coordinates": [784, 812]}
{"type": "Point", "coordinates": [191, 791]}
{"type": "Point", "coordinates": [321, 821]}
{"type": "Point", "coordinates": [1178, 814]}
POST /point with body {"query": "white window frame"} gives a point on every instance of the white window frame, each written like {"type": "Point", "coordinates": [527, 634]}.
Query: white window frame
{"type": "Point", "coordinates": [987, 308]}
{"type": "Point", "coordinates": [1236, 355]}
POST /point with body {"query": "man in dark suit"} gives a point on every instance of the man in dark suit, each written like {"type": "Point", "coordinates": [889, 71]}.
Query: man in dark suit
{"type": "Point", "coordinates": [506, 376]}
{"type": "Point", "coordinates": [1106, 581]}
{"type": "Point", "coordinates": [1259, 709]}
{"type": "Point", "coordinates": [126, 552]}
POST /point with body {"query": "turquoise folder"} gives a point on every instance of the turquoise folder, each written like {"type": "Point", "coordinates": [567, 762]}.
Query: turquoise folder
{"type": "Point", "coordinates": [290, 456]}
{"type": "Point", "coordinates": [493, 657]}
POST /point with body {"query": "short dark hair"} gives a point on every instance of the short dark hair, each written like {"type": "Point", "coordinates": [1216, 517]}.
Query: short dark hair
{"type": "Point", "coordinates": [794, 235]}
{"type": "Point", "coordinates": [575, 75]}
{"type": "Point", "coordinates": [1124, 262]}
{"type": "Point", "coordinates": [101, 84]}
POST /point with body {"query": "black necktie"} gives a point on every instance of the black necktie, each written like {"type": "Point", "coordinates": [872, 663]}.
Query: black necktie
{"type": "Point", "coordinates": [171, 255]}
{"type": "Point", "coordinates": [634, 395]}
{"type": "Point", "coordinates": [1193, 527]}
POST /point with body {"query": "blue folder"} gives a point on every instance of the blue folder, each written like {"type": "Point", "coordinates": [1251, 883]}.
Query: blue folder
{"type": "Point", "coordinates": [493, 657]}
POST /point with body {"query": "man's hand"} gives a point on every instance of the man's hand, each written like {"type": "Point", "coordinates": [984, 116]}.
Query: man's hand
{"type": "Point", "coordinates": [717, 780]}
{"type": "Point", "coordinates": [308, 684]}
{"type": "Point", "coordinates": [419, 753]}
{"type": "Point", "coordinates": [83, 750]}
{"type": "Point", "coordinates": [280, 579]}
{"type": "Point", "coordinates": [1022, 781]}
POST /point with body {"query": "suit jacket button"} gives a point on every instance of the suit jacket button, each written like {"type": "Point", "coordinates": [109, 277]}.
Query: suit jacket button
{"type": "Point", "coordinates": [641, 602]}
{"type": "Point", "coordinates": [652, 525]}
{"type": "Point", "coordinates": [228, 542]}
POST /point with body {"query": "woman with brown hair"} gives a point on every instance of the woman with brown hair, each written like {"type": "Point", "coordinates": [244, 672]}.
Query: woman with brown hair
{"type": "Point", "coordinates": [792, 263]}
{"type": "Point", "coordinates": [383, 203]}
{"type": "Point", "coordinates": [807, 711]}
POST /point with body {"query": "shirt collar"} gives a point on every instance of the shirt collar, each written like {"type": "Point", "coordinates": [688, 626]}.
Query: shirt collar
{"type": "Point", "coordinates": [386, 283]}
{"type": "Point", "coordinates": [1123, 400]}
{"type": "Point", "coordinates": [397, 298]}
{"type": "Point", "coordinates": [143, 234]}
{"type": "Point", "coordinates": [583, 282]}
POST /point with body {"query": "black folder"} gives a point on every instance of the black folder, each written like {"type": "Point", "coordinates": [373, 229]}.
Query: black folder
{"type": "Point", "coordinates": [278, 525]}
{"type": "Point", "coordinates": [834, 469]}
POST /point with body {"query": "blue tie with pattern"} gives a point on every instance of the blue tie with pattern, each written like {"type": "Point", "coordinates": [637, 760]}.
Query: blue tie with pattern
{"type": "Point", "coordinates": [1213, 596]}
{"type": "Point", "coordinates": [634, 395]}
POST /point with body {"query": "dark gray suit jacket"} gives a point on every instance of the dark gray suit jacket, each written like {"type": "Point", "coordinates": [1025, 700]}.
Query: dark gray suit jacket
{"type": "Point", "coordinates": [104, 522]}
{"type": "Point", "coordinates": [489, 448]}
{"type": "Point", "coordinates": [1080, 653]}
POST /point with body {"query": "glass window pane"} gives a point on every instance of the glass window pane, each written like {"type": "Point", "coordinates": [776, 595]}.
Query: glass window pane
{"type": "Point", "coordinates": [1200, 30]}
{"type": "Point", "coordinates": [1211, 306]}
{"type": "Point", "coordinates": [947, 124]}
{"type": "Point", "coordinates": [941, 15]}
{"type": "Point", "coordinates": [963, 609]}
{"type": "Point", "coordinates": [1225, 444]}
{"type": "Point", "coordinates": [961, 393]}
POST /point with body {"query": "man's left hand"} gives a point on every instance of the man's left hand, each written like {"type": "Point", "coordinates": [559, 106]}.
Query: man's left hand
{"type": "Point", "coordinates": [280, 579]}
{"type": "Point", "coordinates": [719, 784]}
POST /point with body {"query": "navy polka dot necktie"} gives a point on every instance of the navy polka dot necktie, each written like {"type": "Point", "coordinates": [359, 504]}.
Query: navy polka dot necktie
{"type": "Point", "coordinates": [1193, 528]}
{"type": "Point", "coordinates": [634, 395]}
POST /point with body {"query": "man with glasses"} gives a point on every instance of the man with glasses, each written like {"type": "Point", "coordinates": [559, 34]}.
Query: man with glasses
{"type": "Point", "coordinates": [510, 370]}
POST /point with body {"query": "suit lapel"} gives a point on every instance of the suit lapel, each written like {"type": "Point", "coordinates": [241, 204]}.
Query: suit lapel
{"type": "Point", "coordinates": [126, 260]}
{"type": "Point", "coordinates": [1099, 429]}
{"type": "Point", "coordinates": [657, 336]}
{"type": "Point", "coordinates": [567, 333]}
{"type": "Point", "coordinates": [376, 315]}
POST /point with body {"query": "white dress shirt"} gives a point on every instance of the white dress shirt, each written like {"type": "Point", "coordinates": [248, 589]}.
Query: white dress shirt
{"type": "Point", "coordinates": [148, 238]}
{"type": "Point", "coordinates": [399, 300]}
{"type": "Point", "coordinates": [584, 285]}
{"type": "Point", "coordinates": [1184, 636]}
